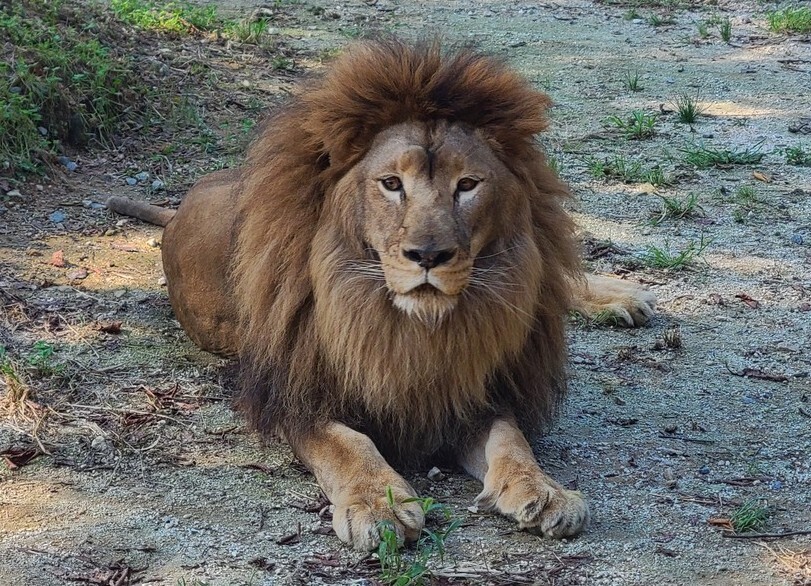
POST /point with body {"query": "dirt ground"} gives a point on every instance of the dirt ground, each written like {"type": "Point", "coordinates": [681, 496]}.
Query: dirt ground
{"type": "Point", "coordinates": [149, 477]}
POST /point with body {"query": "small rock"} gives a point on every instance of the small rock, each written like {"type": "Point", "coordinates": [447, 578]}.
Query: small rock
{"type": "Point", "coordinates": [57, 217]}
{"type": "Point", "coordinates": [153, 243]}
{"type": "Point", "coordinates": [671, 428]}
{"type": "Point", "coordinates": [121, 223]}
{"type": "Point", "coordinates": [142, 176]}
{"type": "Point", "coordinates": [473, 509]}
{"type": "Point", "coordinates": [119, 293]}
{"type": "Point", "coordinates": [162, 281]}
{"type": "Point", "coordinates": [71, 166]}
{"type": "Point", "coordinates": [42, 130]}
{"type": "Point", "coordinates": [435, 474]}
{"type": "Point", "coordinates": [157, 185]}
{"type": "Point", "coordinates": [704, 470]}
{"type": "Point", "coordinates": [77, 274]}
{"type": "Point", "coordinates": [797, 239]}
{"type": "Point", "coordinates": [15, 194]}
{"type": "Point", "coordinates": [39, 187]}
{"type": "Point", "coordinates": [100, 444]}
{"type": "Point", "coordinates": [776, 485]}
{"type": "Point", "coordinates": [58, 259]}
{"type": "Point", "coordinates": [131, 180]}
{"type": "Point", "coordinates": [111, 232]}
{"type": "Point", "coordinates": [3, 210]}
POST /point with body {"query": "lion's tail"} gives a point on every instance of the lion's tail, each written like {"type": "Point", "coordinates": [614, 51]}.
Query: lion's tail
{"type": "Point", "coordinates": [141, 210]}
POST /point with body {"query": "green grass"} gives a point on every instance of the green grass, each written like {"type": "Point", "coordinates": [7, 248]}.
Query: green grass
{"type": "Point", "coordinates": [703, 29]}
{"type": "Point", "coordinates": [170, 17]}
{"type": "Point", "coordinates": [725, 29]}
{"type": "Point", "coordinates": [62, 80]}
{"type": "Point", "coordinates": [792, 19]}
{"type": "Point", "coordinates": [688, 107]}
{"type": "Point", "coordinates": [798, 156]}
{"type": "Point", "coordinates": [666, 259]}
{"type": "Point", "coordinates": [631, 79]}
{"type": "Point", "coordinates": [399, 567]}
{"type": "Point", "coordinates": [704, 157]}
{"type": "Point", "coordinates": [746, 202]}
{"type": "Point", "coordinates": [627, 171]}
{"type": "Point", "coordinates": [657, 20]}
{"type": "Point", "coordinates": [749, 517]}
{"type": "Point", "coordinates": [675, 208]}
{"type": "Point", "coordinates": [41, 360]}
{"type": "Point", "coordinates": [638, 126]}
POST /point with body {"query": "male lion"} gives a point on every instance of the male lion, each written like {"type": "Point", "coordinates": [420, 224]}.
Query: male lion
{"type": "Point", "coordinates": [392, 266]}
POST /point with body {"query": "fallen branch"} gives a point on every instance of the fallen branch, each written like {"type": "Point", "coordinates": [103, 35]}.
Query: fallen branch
{"type": "Point", "coordinates": [731, 535]}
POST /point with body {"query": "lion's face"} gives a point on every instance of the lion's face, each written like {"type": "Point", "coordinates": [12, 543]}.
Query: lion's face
{"type": "Point", "coordinates": [430, 210]}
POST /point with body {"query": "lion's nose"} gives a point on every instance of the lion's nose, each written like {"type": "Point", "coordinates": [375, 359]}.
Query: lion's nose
{"type": "Point", "coordinates": [429, 258]}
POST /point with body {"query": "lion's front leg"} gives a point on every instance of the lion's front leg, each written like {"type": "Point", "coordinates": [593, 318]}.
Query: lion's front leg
{"type": "Point", "coordinates": [515, 485]}
{"type": "Point", "coordinates": [630, 303]}
{"type": "Point", "coordinates": [355, 478]}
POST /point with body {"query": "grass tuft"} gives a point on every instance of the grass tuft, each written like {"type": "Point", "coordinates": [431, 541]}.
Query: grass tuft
{"type": "Point", "coordinates": [665, 259]}
{"type": "Point", "coordinates": [798, 156]}
{"type": "Point", "coordinates": [674, 208]}
{"type": "Point", "coordinates": [704, 157]}
{"type": "Point", "coordinates": [631, 79]}
{"type": "Point", "coordinates": [688, 107]}
{"type": "Point", "coordinates": [725, 29]}
{"type": "Point", "coordinates": [627, 171]}
{"type": "Point", "coordinates": [749, 517]}
{"type": "Point", "coordinates": [792, 19]}
{"type": "Point", "coordinates": [401, 568]}
{"type": "Point", "coordinates": [638, 126]}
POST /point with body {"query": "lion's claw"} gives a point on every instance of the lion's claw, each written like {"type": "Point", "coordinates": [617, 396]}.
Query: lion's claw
{"type": "Point", "coordinates": [538, 506]}
{"type": "Point", "coordinates": [358, 519]}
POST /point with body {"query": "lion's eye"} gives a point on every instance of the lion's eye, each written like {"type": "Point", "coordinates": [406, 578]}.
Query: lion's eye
{"type": "Point", "coordinates": [392, 183]}
{"type": "Point", "coordinates": [467, 184]}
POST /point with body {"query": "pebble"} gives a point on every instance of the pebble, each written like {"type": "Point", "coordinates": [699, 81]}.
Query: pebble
{"type": "Point", "coordinates": [57, 217]}
{"type": "Point", "coordinates": [3, 210]}
{"type": "Point", "coordinates": [435, 474]}
{"type": "Point", "coordinates": [162, 281]}
{"type": "Point", "coordinates": [122, 223]}
{"type": "Point", "coordinates": [142, 176]}
{"type": "Point", "coordinates": [67, 163]}
{"type": "Point", "coordinates": [110, 232]}
{"type": "Point", "coordinates": [157, 185]}
{"type": "Point", "coordinates": [131, 180]}
{"type": "Point", "coordinates": [93, 205]}
{"type": "Point", "coordinates": [796, 239]}
{"type": "Point", "coordinates": [153, 243]}
{"type": "Point", "coordinates": [15, 194]}
{"type": "Point", "coordinates": [100, 444]}
{"type": "Point", "coordinates": [42, 130]}
{"type": "Point", "coordinates": [77, 274]}
{"type": "Point", "coordinates": [704, 470]}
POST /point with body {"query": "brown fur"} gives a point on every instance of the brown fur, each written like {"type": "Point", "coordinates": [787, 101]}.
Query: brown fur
{"type": "Point", "coordinates": [317, 346]}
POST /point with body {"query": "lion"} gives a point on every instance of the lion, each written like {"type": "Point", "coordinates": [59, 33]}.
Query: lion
{"type": "Point", "coordinates": [392, 267]}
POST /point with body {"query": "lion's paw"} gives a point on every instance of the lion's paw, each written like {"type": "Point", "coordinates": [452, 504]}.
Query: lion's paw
{"type": "Point", "coordinates": [537, 505]}
{"type": "Point", "coordinates": [627, 303]}
{"type": "Point", "coordinates": [358, 516]}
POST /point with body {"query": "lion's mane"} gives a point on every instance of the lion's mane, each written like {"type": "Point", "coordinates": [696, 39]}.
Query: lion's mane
{"type": "Point", "coordinates": [354, 357]}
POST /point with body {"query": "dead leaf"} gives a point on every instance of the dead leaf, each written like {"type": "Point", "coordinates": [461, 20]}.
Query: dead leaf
{"type": "Point", "coordinates": [290, 538]}
{"type": "Point", "coordinates": [759, 374]}
{"type": "Point", "coordinates": [261, 467]}
{"type": "Point", "coordinates": [125, 247]}
{"type": "Point", "coordinates": [762, 176]}
{"type": "Point", "coordinates": [723, 522]}
{"type": "Point", "coordinates": [113, 327]}
{"type": "Point", "coordinates": [753, 303]}
{"type": "Point", "coordinates": [20, 456]}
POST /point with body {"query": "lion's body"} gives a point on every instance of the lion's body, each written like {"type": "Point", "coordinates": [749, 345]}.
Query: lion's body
{"type": "Point", "coordinates": [392, 267]}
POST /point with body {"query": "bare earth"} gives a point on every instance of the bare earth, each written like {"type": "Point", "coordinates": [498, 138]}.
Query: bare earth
{"type": "Point", "coordinates": [150, 478]}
